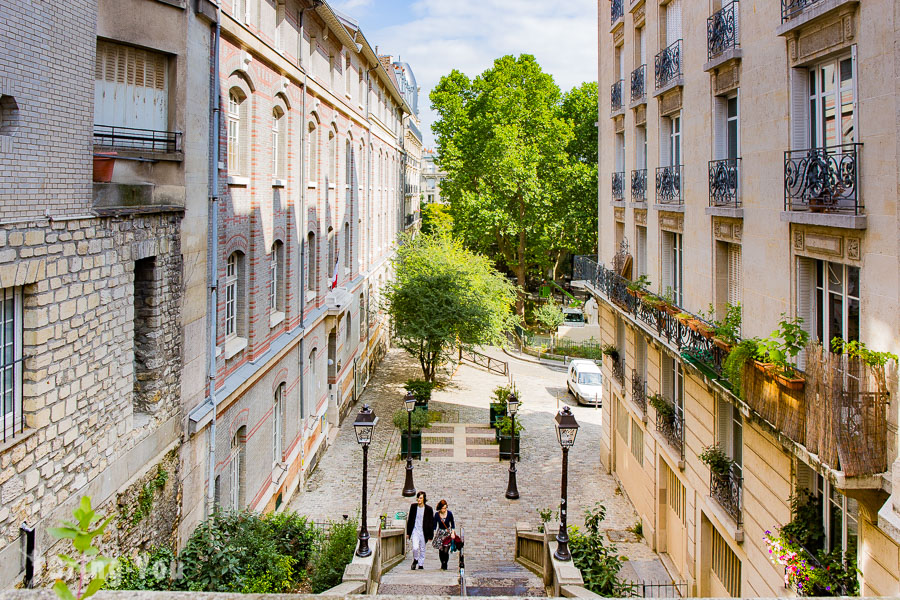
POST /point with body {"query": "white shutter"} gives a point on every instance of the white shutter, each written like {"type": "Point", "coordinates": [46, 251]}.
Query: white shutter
{"type": "Point", "coordinates": [723, 424]}
{"type": "Point", "coordinates": [243, 136]}
{"type": "Point", "coordinates": [673, 22]}
{"type": "Point", "coordinates": [799, 109]}
{"type": "Point", "coordinates": [735, 287]}
{"type": "Point", "coordinates": [130, 87]}
{"type": "Point", "coordinates": [667, 366]}
{"type": "Point", "coordinates": [665, 142]}
{"type": "Point", "coordinates": [666, 261]}
{"type": "Point", "coordinates": [643, 31]}
{"type": "Point", "coordinates": [804, 477]}
{"type": "Point", "coordinates": [720, 127]}
{"type": "Point", "coordinates": [854, 62]}
{"type": "Point", "coordinates": [806, 290]}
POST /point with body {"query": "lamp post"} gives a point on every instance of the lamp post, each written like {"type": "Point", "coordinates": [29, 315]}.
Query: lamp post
{"type": "Point", "coordinates": [409, 488]}
{"type": "Point", "coordinates": [512, 490]}
{"type": "Point", "coordinates": [566, 430]}
{"type": "Point", "coordinates": [365, 430]}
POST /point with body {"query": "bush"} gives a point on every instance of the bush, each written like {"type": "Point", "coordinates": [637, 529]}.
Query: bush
{"type": "Point", "coordinates": [419, 419]}
{"type": "Point", "coordinates": [733, 367]}
{"type": "Point", "coordinates": [715, 458]}
{"type": "Point", "coordinates": [420, 389]}
{"type": "Point", "coordinates": [549, 315]}
{"type": "Point", "coordinates": [598, 563]}
{"type": "Point", "coordinates": [153, 571]}
{"type": "Point", "coordinates": [336, 553]}
{"type": "Point", "coordinates": [662, 406]}
{"type": "Point", "coordinates": [504, 426]}
{"type": "Point", "coordinates": [502, 392]}
{"type": "Point", "coordinates": [293, 535]}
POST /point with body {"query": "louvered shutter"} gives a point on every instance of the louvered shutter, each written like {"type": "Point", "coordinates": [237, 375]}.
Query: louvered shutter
{"type": "Point", "coordinates": [723, 424]}
{"type": "Point", "coordinates": [665, 142]}
{"type": "Point", "coordinates": [735, 287]}
{"type": "Point", "coordinates": [856, 136]}
{"type": "Point", "coordinates": [720, 127]}
{"type": "Point", "coordinates": [243, 135]}
{"type": "Point", "coordinates": [800, 124]}
{"type": "Point", "coordinates": [673, 22]}
{"type": "Point", "coordinates": [643, 48]}
{"type": "Point", "coordinates": [667, 364]}
{"type": "Point", "coordinates": [666, 261]}
{"type": "Point", "coordinates": [806, 289]}
{"type": "Point", "coordinates": [804, 477]}
{"type": "Point", "coordinates": [130, 87]}
{"type": "Point", "coordinates": [282, 146]}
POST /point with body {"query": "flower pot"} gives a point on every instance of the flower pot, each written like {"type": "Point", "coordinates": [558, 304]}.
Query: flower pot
{"type": "Point", "coordinates": [671, 310]}
{"type": "Point", "coordinates": [506, 444]}
{"type": "Point", "coordinates": [422, 404]}
{"type": "Point", "coordinates": [686, 319]}
{"type": "Point", "coordinates": [791, 383]}
{"type": "Point", "coordinates": [763, 367]}
{"type": "Point", "coordinates": [497, 411]}
{"type": "Point", "coordinates": [416, 444]}
{"type": "Point", "coordinates": [722, 344]}
{"type": "Point", "coordinates": [703, 329]}
{"type": "Point", "coordinates": [631, 292]}
{"type": "Point", "coordinates": [103, 166]}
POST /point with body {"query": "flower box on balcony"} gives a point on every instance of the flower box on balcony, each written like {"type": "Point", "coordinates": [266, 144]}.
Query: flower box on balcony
{"type": "Point", "coordinates": [701, 328]}
{"type": "Point", "coordinates": [722, 344]}
{"type": "Point", "coordinates": [795, 382]}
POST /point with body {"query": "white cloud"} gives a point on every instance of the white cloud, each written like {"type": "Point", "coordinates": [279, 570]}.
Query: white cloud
{"type": "Point", "coordinates": [469, 34]}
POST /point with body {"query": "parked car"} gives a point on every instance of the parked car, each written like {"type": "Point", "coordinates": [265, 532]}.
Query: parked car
{"type": "Point", "coordinates": [574, 317]}
{"type": "Point", "coordinates": [585, 382]}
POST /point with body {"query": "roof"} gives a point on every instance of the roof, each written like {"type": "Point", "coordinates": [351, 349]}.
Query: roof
{"type": "Point", "coordinates": [585, 365]}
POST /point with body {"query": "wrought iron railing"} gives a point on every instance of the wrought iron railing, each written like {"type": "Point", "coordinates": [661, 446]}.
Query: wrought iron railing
{"type": "Point", "coordinates": [638, 83]}
{"type": "Point", "coordinates": [727, 490]}
{"type": "Point", "coordinates": [616, 10]}
{"type": "Point", "coordinates": [823, 179]}
{"type": "Point", "coordinates": [618, 185]}
{"type": "Point", "coordinates": [722, 30]}
{"type": "Point", "coordinates": [792, 8]}
{"type": "Point", "coordinates": [618, 370]}
{"type": "Point", "coordinates": [668, 185]}
{"type": "Point", "coordinates": [639, 390]}
{"type": "Point", "coordinates": [130, 138]}
{"type": "Point", "coordinates": [723, 182]}
{"type": "Point", "coordinates": [615, 96]}
{"type": "Point", "coordinates": [668, 65]}
{"type": "Point", "coordinates": [639, 185]}
{"type": "Point", "coordinates": [671, 426]}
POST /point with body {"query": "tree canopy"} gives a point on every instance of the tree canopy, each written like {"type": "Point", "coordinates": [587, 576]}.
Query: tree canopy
{"type": "Point", "coordinates": [436, 218]}
{"type": "Point", "coordinates": [444, 294]}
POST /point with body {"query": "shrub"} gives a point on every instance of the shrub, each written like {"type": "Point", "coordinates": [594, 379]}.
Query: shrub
{"type": "Point", "coordinates": [419, 419]}
{"type": "Point", "coordinates": [599, 564]}
{"type": "Point", "coordinates": [328, 566]}
{"type": "Point", "coordinates": [420, 389]}
{"type": "Point", "coordinates": [715, 458]}
{"type": "Point", "coordinates": [294, 535]}
{"type": "Point", "coordinates": [611, 351]}
{"type": "Point", "coordinates": [502, 392]}
{"type": "Point", "coordinates": [662, 406]}
{"type": "Point", "coordinates": [151, 571]}
{"type": "Point", "coordinates": [504, 426]}
{"type": "Point", "coordinates": [733, 367]}
{"type": "Point", "coordinates": [549, 315]}
{"type": "Point", "coordinates": [641, 283]}
{"type": "Point", "coordinates": [783, 344]}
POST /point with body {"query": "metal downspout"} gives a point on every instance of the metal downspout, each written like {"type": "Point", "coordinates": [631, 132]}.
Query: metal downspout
{"type": "Point", "coordinates": [302, 241]}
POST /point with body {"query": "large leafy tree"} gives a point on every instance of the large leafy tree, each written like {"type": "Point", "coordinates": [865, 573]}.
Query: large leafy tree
{"type": "Point", "coordinates": [503, 143]}
{"type": "Point", "coordinates": [443, 295]}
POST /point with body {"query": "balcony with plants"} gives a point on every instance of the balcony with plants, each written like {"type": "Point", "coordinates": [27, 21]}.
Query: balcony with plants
{"type": "Point", "coordinates": [669, 422]}
{"type": "Point", "coordinates": [726, 485]}
{"type": "Point", "coordinates": [835, 409]}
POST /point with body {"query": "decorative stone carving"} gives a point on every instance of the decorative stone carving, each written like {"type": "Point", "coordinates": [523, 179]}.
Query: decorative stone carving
{"type": "Point", "coordinates": [671, 221]}
{"type": "Point", "coordinates": [799, 243]}
{"type": "Point", "coordinates": [640, 114]}
{"type": "Point", "coordinates": [728, 230]}
{"type": "Point", "coordinates": [853, 248]}
{"type": "Point", "coordinates": [670, 102]}
{"type": "Point", "coordinates": [619, 123]}
{"type": "Point", "coordinates": [825, 244]}
{"type": "Point", "coordinates": [639, 12]}
{"type": "Point", "coordinates": [727, 79]}
{"type": "Point", "coordinates": [640, 217]}
{"type": "Point", "coordinates": [619, 33]}
{"type": "Point", "coordinates": [619, 213]}
{"type": "Point", "coordinates": [823, 36]}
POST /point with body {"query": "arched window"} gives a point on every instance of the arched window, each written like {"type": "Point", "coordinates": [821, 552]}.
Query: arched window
{"type": "Point", "coordinates": [236, 125]}
{"type": "Point", "coordinates": [238, 446]}
{"type": "Point", "coordinates": [331, 251]}
{"type": "Point", "coordinates": [332, 159]}
{"type": "Point", "coordinates": [346, 257]}
{"type": "Point", "coordinates": [276, 278]}
{"type": "Point", "coordinates": [233, 294]}
{"type": "Point", "coordinates": [312, 382]}
{"type": "Point", "coordinates": [362, 316]}
{"type": "Point", "coordinates": [312, 168]}
{"type": "Point", "coordinates": [348, 170]}
{"type": "Point", "coordinates": [311, 259]}
{"type": "Point", "coordinates": [278, 424]}
{"type": "Point", "coordinates": [279, 143]}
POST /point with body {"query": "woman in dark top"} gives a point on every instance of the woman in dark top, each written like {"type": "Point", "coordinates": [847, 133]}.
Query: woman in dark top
{"type": "Point", "coordinates": [445, 528]}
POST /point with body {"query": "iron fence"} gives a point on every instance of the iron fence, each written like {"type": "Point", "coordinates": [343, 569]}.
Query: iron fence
{"type": "Point", "coordinates": [638, 83]}
{"type": "Point", "coordinates": [792, 8]}
{"type": "Point", "coordinates": [639, 390]}
{"type": "Point", "coordinates": [671, 426]}
{"type": "Point", "coordinates": [823, 179]}
{"type": "Point", "coordinates": [615, 96]}
{"type": "Point", "coordinates": [668, 185]}
{"type": "Point", "coordinates": [618, 185]}
{"type": "Point", "coordinates": [667, 66]}
{"type": "Point", "coordinates": [639, 185]}
{"type": "Point", "coordinates": [727, 489]}
{"type": "Point", "coordinates": [130, 138]}
{"type": "Point", "coordinates": [653, 589]}
{"type": "Point", "coordinates": [723, 182]}
{"type": "Point", "coordinates": [722, 30]}
{"type": "Point", "coordinates": [616, 10]}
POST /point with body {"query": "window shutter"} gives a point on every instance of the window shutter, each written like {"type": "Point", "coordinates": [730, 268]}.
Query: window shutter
{"type": "Point", "coordinates": [856, 136]}
{"type": "Point", "coordinates": [282, 146]}
{"type": "Point", "coordinates": [243, 135]}
{"type": "Point", "coordinates": [673, 22]}
{"type": "Point", "coordinates": [804, 477]}
{"type": "Point", "coordinates": [644, 49]}
{"type": "Point", "coordinates": [799, 109]}
{"type": "Point", "coordinates": [667, 365]}
{"type": "Point", "coordinates": [735, 288]}
{"type": "Point", "coordinates": [665, 142]}
{"type": "Point", "coordinates": [806, 289]}
{"type": "Point", "coordinates": [723, 424]}
{"type": "Point", "coordinates": [666, 261]}
{"type": "Point", "coordinates": [720, 127]}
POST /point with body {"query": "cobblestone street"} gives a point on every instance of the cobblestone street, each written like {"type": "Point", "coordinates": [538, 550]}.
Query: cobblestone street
{"type": "Point", "coordinates": [474, 488]}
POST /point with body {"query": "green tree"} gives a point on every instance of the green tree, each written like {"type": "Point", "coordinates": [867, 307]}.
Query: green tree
{"type": "Point", "coordinates": [436, 218]}
{"type": "Point", "coordinates": [444, 294]}
{"type": "Point", "coordinates": [502, 141]}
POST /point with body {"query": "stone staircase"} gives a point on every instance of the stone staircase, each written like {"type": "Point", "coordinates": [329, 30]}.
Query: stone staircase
{"type": "Point", "coordinates": [498, 579]}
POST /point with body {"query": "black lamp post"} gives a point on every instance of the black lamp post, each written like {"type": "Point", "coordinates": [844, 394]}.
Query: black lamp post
{"type": "Point", "coordinates": [365, 430]}
{"type": "Point", "coordinates": [512, 490]}
{"type": "Point", "coordinates": [409, 488]}
{"type": "Point", "coordinates": [566, 430]}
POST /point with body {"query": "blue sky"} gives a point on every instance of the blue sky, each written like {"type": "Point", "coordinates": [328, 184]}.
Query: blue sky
{"type": "Point", "coordinates": [436, 36]}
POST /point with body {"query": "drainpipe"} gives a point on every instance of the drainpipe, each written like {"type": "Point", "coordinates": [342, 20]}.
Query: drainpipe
{"type": "Point", "coordinates": [301, 230]}
{"type": "Point", "coordinates": [369, 211]}
{"type": "Point", "coordinates": [213, 277]}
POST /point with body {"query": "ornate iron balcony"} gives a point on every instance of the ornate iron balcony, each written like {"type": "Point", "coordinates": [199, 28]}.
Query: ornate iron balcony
{"type": "Point", "coordinates": [727, 490]}
{"type": "Point", "coordinates": [722, 30]}
{"type": "Point", "coordinates": [668, 65]}
{"type": "Point", "coordinates": [668, 185]}
{"type": "Point", "coordinates": [638, 83]}
{"type": "Point", "coordinates": [618, 185]}
{"type": "Point", "coordinates": [618, 371]}
{"type": "Point", "coordinates": [671, 426]}
{"type": "Point", "coordinates": [617, 10]}
{"type": "Point", "coordinates": [723, 182]}
{"type": "Point", "coordinates": [823, 179]}
{"type": "Point", "coordinates": [792, 8]}
{"type": "Point", "coordinates": [639, 185]}
{"type": "Point", "coordinates": [615, 96]}
{"type": "Point", "coordinates": [639, 390]}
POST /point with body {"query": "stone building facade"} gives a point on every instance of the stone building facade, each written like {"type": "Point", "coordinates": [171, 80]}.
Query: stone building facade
{"type": "Point", "coordinates": [431, 177]}
{"type": "Point", "coordinates": [749, 156]}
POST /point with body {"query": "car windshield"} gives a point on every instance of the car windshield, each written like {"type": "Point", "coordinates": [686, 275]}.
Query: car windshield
{"type": "Point", "coordinates": [589, 379]}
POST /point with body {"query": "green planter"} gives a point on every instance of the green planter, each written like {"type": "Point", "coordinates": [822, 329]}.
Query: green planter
{"type": "Point", "coordinates": [506, 443]}
{"type": "Point", "coordinates": [497, 411]}
{"type": "Point", "coordinates": [422, 404]}
{"type": "Point", "coordinates": [416, 445]}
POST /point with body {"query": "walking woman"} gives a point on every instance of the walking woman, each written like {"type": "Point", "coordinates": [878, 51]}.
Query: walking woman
{"type": "Point", "coordinates": [446, 530]}
{"type": "Point", "coordinates": [419, 528]}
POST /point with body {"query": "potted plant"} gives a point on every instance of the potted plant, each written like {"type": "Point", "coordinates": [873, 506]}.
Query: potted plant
{"type": "Point", "coordinates": [104, 162]}
{"type": "Point", "coordinates": [498, 402]}
{"type": "Point", "coordinates": [779, 350]}
{"type": "Point", "coordinates": [662, 407]}
{"type": "Point", "coordinates": [637, 288]}
{"type": "Point", "coordinates": [421, 390]}
{"type": "Point", "coordinates": [652, 300]}
{"type": "Point", "coordinates": [419, 422]}
{"type": "Point", "coordinates": [611, 351]}
{"type": "Point", "coordinates": [715, 458]}
{"type": "Point", "coordinates": [505, 437]}
{"type": "Point", "coordinates": [733, 367]}
{"type": "Point", "coordinates": [685, 318]}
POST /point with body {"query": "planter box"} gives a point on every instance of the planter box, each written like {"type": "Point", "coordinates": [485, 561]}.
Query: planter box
{"type": "Point", "coordinates": [416, 445]}
{"type": "Point", "coordinates": [422, 404]}
{"type": "Point", "coordinates": [497, 411]}
{"type": "Point", "coordinates": [506, 446]}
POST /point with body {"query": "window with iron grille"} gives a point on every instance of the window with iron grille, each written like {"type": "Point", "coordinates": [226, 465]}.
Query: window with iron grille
{"type": "Point", "coordinates": [11, 419]}
{"type": "Point", "coordinates": [725, 564]}
{"type": "Point", "coordinates": [622, 420]}
{"type": "Point", "coordinates": [637, 442]}
{"type": "Point", "coordinates": [676, 495]}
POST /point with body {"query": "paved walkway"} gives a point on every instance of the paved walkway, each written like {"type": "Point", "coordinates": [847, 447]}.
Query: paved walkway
{"type": "Point", "coordinates": [474, 486]}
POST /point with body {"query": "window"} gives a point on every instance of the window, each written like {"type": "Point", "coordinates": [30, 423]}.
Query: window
{"type": "Point", "coordinates": [10, 361]}
{"type": "Point", "coordinates": [725, 564]}
{"type": "Point", "coordinates": [332, 159]}
{"type": "Point", "coordinates": [279, 26]}
{"type": "Point", "coordinates": [131, 89]}
{"type": "Point", "coordinates": [637, 442]}
{"type": "Point", "coordinates": [620, 63]}
{"type": "Point", "coordinates": [236, 123]}
{"type": "Point", "coordinates": [828, 299]}
{"type": "Point", "coordinates": [729, 431]}
{"type": "Point", "coordinates": [640, 147]}
{"type": "Point", "coordinates": [312, 382]}
{"type": "Point", "coordinates": [362, 316]}
{"type": "Point", "coordinates": [622, 420]}
{"type": "Point", "coordinates": [726, 129]}
{"type": "Point", "coordinates": [279, 140]}
{"type": "Point", "coordinates": [640, 250]}
{"type": "Point", "coordinates": [276, 278]}
{"type": "Point", "coordinates": [362, 87]}
{"type": "Point", "coordinates": [823, 104]}
{"type": "Point", "coordinates": [332, 248]}
{"type": "Point", "coordinates": [673, 22]}
{"type": "Point", "coordinates": [672, 267]}
{"type": "Point", "coordinates": [620, 152]}
{"type": "Point", "coordinates": [347, 74]}
{"type": "Point", "coordinates": [673, 384]}
{"type": "Point", "coordinates": [238, 444]}
{"type": "Point", "coordinates": [240, 10]}
{"type": "Point", "coordinates": [728, 280]}
{"type": "Point", "coordinates": [676, 496]}
{"type": "Point", "coordinates": [313, 153]}
{"type": "Point", "coordinates": [620, 340]}
{"type": "Point", "coordinates": [346, 258]}
{"type": "Point", "coordinates": [312, 275]}
{"type": "Point", "coordinates": [640, 47]}
{"type": "Point", "coordinates": [331, 70]}
{"type": "Point", "coordinates": [278, 424]}
{"type": "Point", "coordinates": [232, 272]}
{"type": "Point", "coordinates": [640, 355]}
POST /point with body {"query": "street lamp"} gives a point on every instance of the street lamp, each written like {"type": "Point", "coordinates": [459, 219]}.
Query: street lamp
{"type": "Point", "coordinates": [409, 488]}
{"type": "Point", "coordinates": [566, 430]}
{"type": "Point", "coordinates": [512, 406]}
{"type": "Point", "coordinates": [365, 430]}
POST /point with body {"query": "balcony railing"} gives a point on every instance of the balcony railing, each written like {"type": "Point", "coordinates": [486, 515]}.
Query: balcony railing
{"type": "Point", "coordinates": [668, 65]}
{"type": "Point", "coordinates": [638, 83]}
{"type": "Point", "coordinates": [615, 96]}
{"type": "Point", "coordinates": [639, 185]}
{"type": "Point", "coordinates": [618, 185]}
{"type": "Point", "coordinates": [727, 490]}
{"type": "Point", "coordinates": [792, 8]}
{"type": "Point", "coordinates": [616, 11]}
{"type": "Point", "coordinates": [723, 182]}
{"type": "Point", "coordinates": [722, 30]}
{"type": "Point", "coordinates": [668, 185]}
{"type": "Point", "coordinates": [671, 427]}
{"type": "Point", "coordinates": [823, 179]}
{"type": "Point", "coordinates": [618, 371]}
{"type": "Point", "coordinates": [129, 138]}
{"type": "Point", "coordinates": [639, 390]}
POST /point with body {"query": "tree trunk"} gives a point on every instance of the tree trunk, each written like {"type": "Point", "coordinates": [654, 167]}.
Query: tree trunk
{"type": "Point", "coordinates": [520, 266]}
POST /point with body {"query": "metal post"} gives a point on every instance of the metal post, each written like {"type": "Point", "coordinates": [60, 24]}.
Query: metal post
{"type": "Point", "coordinates": [512, 490]}
{"type": "Point", "coordinates": [364, 530]}
{"type": "Point", "coordinates": [409, 488]}
{"type": "Point", "coordinates": [562, 551]}
{"type": "Point", "coordinates": [28, 536]}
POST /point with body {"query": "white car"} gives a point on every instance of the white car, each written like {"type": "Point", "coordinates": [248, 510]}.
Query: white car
{"type": "Point", "coordinates": [585, 382]}
{"type": "Point", "coordinates": [573, 317]}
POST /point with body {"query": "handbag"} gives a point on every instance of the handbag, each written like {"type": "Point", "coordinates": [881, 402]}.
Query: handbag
{"type": "Point", "coordinates": [441, 539]}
